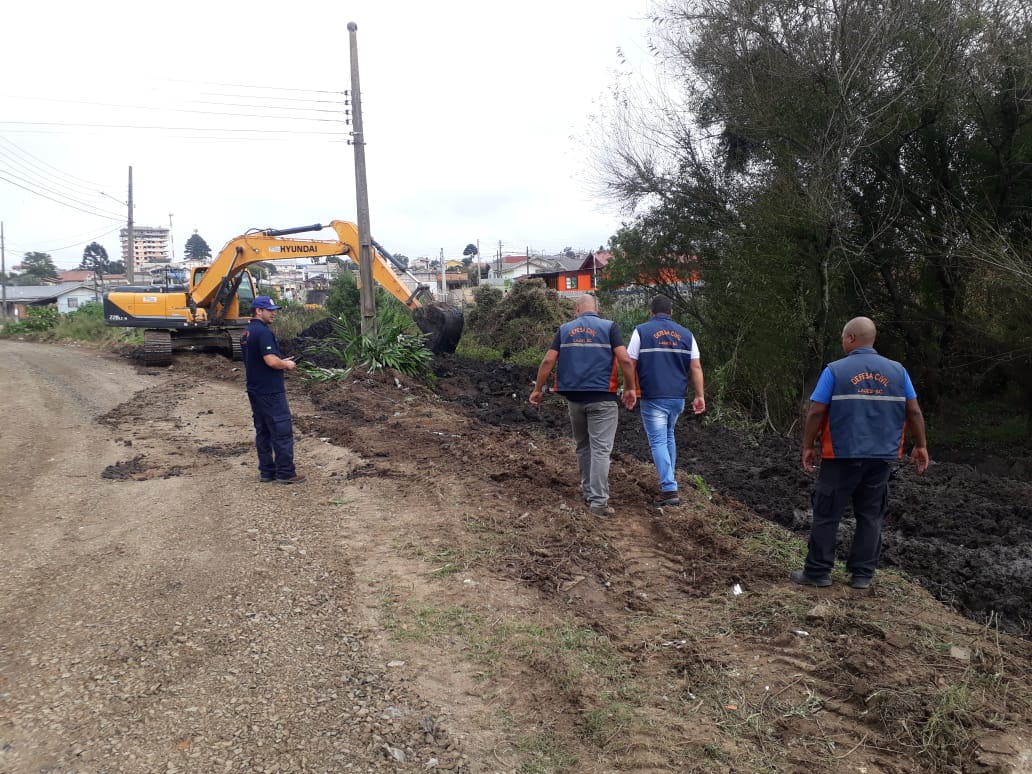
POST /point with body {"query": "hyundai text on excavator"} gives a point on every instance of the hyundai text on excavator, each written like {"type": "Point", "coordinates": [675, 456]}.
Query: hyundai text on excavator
{"type": "Point", "coordinates": [214, 308]}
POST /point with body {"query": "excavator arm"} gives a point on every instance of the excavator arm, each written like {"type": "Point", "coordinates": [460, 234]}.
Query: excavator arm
{"type": "Point", "coordinates": [270, 245]}
{"type": "Point", "coordinates": [216, 288]}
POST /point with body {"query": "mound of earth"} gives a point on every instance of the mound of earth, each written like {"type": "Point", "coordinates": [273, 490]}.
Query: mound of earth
{"type": "Point", "coordinates": [964, 529]}
{"type": "Point", "coordinates": [661, 640]}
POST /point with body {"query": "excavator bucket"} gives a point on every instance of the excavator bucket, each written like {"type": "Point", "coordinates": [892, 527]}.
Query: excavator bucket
{"type": "Point", "coordinates": [442, 324]}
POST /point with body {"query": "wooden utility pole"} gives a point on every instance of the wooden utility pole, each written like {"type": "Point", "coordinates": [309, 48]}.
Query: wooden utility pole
{"type": "Point", "coordinates": [3, 274]}
{"type": "Point", "coordinates": [366, 290]}
{"type": "Point", "coordinates": [130, 239]}
{"type": "Point", "coordinates": [444, 282]}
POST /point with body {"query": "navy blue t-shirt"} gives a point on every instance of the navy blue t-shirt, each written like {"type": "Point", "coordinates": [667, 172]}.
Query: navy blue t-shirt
{"type": "Point", "coordinates": [256, 342]}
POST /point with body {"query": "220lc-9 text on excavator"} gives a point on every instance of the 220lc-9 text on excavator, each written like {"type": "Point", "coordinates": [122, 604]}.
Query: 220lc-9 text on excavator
{"type": "Point", "coordinates": [213, 309]}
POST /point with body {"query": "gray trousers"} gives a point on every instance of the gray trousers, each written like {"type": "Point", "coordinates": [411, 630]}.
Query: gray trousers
{"type": "Point", "coordinates": [594, 430]}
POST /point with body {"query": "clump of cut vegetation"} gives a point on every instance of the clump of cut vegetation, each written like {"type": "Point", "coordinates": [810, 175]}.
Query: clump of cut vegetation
{"type": "Point", "coordinates": [518, 325]}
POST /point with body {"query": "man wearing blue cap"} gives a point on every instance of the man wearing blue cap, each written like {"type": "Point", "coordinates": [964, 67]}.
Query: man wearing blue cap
{"type": "Point", "coordinates": [267, 391]}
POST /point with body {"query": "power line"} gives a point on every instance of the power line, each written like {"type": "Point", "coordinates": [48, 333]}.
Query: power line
{"type": "Point", "coordinates": [63, 204]}
{"type": "Point", "coordinates": [75, 181]}
{"type": "Point", "coordinates": [75, 244]}
{"type": "Point", "coordinates": [248, 86]}
{"type": "Point", "coordinates": [41, 187]}
{"type": "Point", "coordinates": [47, 185]}
{"type": "Point", "coordinates": [168, 109]}
{"type": "Point", "coordinates": [174, 128]}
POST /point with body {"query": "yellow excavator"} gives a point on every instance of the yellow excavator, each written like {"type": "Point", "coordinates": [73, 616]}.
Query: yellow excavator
{"type": "Point", "coordinates": [212, 310]}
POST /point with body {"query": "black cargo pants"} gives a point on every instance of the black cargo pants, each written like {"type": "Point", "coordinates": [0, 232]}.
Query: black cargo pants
{"type": "Point", "coordinates": [865, 484]}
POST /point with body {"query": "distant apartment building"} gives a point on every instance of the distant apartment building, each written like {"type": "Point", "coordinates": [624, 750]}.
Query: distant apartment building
{"type": "Point", "coordinates": [150, 246]}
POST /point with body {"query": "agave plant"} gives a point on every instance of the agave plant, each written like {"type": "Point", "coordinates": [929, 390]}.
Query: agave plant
{"type": "Point", "coordinates": [393, 346]}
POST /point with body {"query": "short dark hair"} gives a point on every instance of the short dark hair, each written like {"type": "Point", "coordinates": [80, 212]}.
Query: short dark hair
{"type": "Point", "coordinates": [661, 305]}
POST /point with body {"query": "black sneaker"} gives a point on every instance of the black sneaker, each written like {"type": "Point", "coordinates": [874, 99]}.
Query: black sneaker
{"type": "Point", "coordinates": [667, 498]}
{"type": "Point", "coordinates": [860, 582]}
{"type": "Point", "coordinates": [292, 480]}
{"type": "Point", "coordinates": [800, 577]}
{"type": "Point", "coordinates": [266, 479]}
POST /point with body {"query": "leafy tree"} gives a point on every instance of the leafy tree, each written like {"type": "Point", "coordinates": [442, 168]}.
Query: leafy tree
{"type": "Point", "coordinates": [196, 249]}
{"type": "Point", "coordinates": [37, 267]}
{"type": "Point", "coordinates": [344, 301]}
{"type": "Point", "coordinates": [403, 260]}
{"type": "Point", "coordinates": [827, 160]}
{"type": "Point", "coordinates": [261, 270]}
{"type": "Point", "coordinates": [95, 259]}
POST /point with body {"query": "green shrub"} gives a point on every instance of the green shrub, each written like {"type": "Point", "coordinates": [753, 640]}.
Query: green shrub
{"type": "Point", "coordinates": [474, 351]}
{"type": "Point", "coordinates": [344, 300]}
{"type": "Point", "coordinates": [392, 346]}
{"type": "Point", "coordinates": [38, 320]}
{"type": "Point", "coordinates": [294, 318]}
{"type": "Point", "coordinates": [524, 318]}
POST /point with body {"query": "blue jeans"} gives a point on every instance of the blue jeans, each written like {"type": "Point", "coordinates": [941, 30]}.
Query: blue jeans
{"type": "Point", "coordinates": [273, 435]}
{"type": "Point", "coordinates": [659, 416]}
{"type": "Point", "coordinates": [594, 430]}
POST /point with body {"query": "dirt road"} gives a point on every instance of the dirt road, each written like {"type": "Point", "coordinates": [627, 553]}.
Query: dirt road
{"type": "Point", "coordinates": [162, 611]}
{"type": "Point", "coordinates": [436, 597]}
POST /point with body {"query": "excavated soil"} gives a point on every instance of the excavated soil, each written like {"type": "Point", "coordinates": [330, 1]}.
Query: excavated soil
{"type": "Point", "coordinates": [964, 529]}
{"type": "Point", "coordinates": [437, 597]}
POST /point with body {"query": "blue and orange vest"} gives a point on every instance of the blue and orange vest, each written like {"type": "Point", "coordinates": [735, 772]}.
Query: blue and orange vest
{"type": "Point", "coordinates": [867, 415]}
{"type": "Point", "coordinates": [586, 360]}
{"type": "Point", "coordinates": [664, 358]}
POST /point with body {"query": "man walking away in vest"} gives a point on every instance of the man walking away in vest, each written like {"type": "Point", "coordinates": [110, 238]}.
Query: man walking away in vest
{"type": "Point", "coordinates": [859, 413]}
{"type": "Point", "coordinates": [267, 391]}
{"type": "Point", "coordinates": [588, 351]}
{"type": "Point", "coordinates": [666, 359]}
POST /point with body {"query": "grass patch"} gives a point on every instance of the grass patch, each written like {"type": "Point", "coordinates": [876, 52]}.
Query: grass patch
{"type": "Point", "coordinates": [470, 349]}
{"type": "Point", "coordinates": [780, 547]}
{"type": "Point", "coordinates": [699, 483]}
{"type": "Point", "coordinates": [294, 318]}
{"type": "Point", "coordinates": [85, 324]}
{"type": "Point", "coordinates": [546, 753]}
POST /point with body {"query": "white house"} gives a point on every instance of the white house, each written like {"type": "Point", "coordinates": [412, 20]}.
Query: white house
{"type": "Point", "coordinates": [67, 296]}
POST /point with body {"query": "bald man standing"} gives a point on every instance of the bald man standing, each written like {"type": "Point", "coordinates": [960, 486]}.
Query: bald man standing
{"type": "Point", "coordinates": [589, 351]}
{"type": "Point", "coordinates": [859, 413]}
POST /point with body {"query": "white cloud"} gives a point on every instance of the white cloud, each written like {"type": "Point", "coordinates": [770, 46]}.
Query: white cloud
{"type": "Point", "coordinates": [469, 113]}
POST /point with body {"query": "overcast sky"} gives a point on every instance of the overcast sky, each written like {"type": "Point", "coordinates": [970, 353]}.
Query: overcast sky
{"type": "Point", "coordinates": [475, 115]}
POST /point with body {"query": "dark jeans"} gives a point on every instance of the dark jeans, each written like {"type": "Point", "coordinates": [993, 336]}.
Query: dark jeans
{"type": "Point", "coordinates": [273, 435]}
{"type": "Point", "coordinates": [865, 483]}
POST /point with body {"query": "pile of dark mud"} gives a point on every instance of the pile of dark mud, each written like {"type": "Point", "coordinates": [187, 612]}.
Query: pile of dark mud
{"type": "Point", "coordinates": [964, 529]}
{"type": "Point", "coordinates": [961, 529]}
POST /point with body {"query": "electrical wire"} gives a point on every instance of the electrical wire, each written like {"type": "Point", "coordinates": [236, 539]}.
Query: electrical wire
{"type": "Point", "coordinates": [42, 186]}
{"type": "Point", "coordinates": [76, 182]}
{"type": "Point", "coordinates": [166, 109]}
{"type": "Point", "coordinates": [63, 204]}
{"type": "Point", "coordinates": [173, 128]}
{"type": "Point", "coordinates": [249, 86]}
{"type": "Point", "coordinates": [75, 244]}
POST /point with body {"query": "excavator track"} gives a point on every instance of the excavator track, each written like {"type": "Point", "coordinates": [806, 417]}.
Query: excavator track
{"type": "Point", "coordinates": [236, 352]}
{"type": "Point", "coordinates": [157, 348]}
